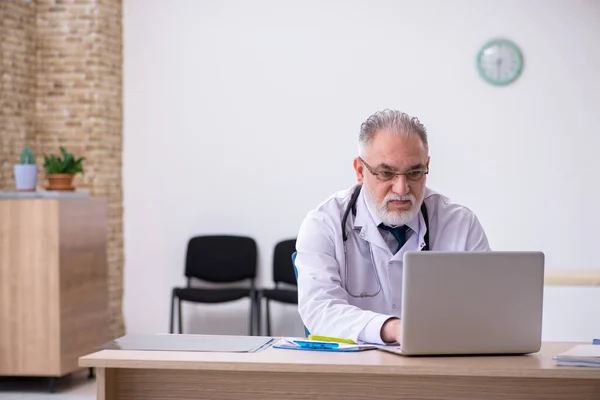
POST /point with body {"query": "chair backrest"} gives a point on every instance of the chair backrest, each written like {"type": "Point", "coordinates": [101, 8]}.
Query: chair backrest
{"type": "Point", "coordinates": [283, 267]}
{"type": "Point", "coordinates": [221, 258]}
{"type": "Point", "coordinates": [293, 257]}
{"type": "Point", "coordinates": [295, 269]}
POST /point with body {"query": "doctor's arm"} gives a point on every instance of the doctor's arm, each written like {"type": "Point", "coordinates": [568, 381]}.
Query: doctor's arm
{"type": "Point", "coordinates": [322, 300]}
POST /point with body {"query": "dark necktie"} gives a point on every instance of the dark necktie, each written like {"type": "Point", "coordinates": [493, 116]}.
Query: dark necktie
{"type": "Point", "coordinates": [399, 233]}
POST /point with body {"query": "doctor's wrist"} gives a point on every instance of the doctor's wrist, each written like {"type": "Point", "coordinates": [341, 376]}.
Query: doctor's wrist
{"type": "Point", "coordinates": [390, 330]}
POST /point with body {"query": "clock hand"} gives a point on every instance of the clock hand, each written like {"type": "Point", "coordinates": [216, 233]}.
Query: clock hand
{"type": "Point", "coordinates": [498, 66]}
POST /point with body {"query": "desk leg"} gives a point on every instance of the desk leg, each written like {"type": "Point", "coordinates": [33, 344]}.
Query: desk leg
{"type": "Point", "coordinates": [106, 384]}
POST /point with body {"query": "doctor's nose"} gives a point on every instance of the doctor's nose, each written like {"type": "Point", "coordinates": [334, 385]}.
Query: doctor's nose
{"type": "Point", "coordinates": [400, 185]}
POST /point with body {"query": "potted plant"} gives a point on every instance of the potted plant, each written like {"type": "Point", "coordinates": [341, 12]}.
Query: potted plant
{"type": "Point", "coordinates": [60, 171]}
{"type": "Point", "coordinates": [26, 172]}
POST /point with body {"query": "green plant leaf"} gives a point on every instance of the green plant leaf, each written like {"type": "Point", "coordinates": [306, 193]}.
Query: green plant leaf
{"type": "Point", "coordinates": [66, 165]}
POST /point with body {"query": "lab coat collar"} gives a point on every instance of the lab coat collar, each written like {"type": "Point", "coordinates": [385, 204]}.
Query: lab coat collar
{"type": "Point", "coordinates": [367, 222]}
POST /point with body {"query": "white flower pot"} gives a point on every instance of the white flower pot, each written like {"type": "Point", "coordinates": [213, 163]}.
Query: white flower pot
{"type": "Point", "coordinates": [26, 177]}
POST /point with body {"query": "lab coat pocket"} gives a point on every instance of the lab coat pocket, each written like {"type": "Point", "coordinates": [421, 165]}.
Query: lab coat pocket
{"type": "Point", "coordinates": [360, 275]}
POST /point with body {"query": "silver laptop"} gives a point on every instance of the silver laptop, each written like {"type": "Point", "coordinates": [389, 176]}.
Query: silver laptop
{"type": "Point", "coordinates": [472, 303]}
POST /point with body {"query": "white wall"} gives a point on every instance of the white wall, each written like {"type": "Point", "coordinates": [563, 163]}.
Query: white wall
{"type": "Point", "coordinates": [240, 116]}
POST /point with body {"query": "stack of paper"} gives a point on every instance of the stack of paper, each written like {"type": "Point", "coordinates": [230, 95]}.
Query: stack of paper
{"type": "Point", "coordinates": [584, 355]}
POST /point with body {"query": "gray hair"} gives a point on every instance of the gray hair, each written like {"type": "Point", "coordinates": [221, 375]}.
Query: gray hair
{"type": "Point", "coordinates": [392, 120]}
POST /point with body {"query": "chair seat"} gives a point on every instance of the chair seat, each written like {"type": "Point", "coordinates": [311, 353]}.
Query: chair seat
{"type": "Point", "coordinates": [288, 296]}
{"type": "Point", "coordinates": [201, 295]}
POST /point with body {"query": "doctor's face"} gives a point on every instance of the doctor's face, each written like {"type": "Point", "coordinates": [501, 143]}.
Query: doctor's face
{"type": "Point", "coordinates": [393, 171]}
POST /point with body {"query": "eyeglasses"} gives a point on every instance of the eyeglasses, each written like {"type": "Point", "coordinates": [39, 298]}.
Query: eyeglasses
{"type": "Point", "coordinates": [386, 175]}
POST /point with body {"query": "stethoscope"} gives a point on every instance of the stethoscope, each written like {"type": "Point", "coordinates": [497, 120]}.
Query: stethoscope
{"type": "Point", "coordinates": [352, 207]}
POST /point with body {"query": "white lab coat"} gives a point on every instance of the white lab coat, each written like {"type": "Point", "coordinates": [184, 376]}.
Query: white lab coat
{"type": "Point", "coordinates": [324, 304]}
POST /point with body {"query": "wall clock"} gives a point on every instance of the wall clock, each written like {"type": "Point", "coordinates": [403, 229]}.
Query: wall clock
{"type": "Point", "coordinates": [499, 62]}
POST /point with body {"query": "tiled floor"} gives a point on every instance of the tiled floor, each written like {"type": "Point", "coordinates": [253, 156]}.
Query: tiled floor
{"type": "Point", "coordinates": [73, 387]}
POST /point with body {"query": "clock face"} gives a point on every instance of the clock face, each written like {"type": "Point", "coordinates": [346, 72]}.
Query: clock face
{"type": "Point", "coordinates": [500, 62]}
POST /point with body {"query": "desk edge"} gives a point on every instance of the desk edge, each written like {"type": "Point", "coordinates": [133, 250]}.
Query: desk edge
{"type": "Point", "coordinates": [555, 373]}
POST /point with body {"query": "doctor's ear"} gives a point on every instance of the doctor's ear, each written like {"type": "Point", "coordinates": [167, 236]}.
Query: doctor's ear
{"type": "Point", "coordinates": [359, 169]}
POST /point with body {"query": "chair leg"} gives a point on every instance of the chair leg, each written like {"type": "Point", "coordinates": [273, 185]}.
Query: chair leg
{"type": "Point", "coordinates": [172, 316]}
{"type": "Point", "coordinates": [251, 319]}
{"type": "Point", "coordinates": [258, 306]}
{"type": "Point", "coordinates": [179, 320]}
{"type": "Point", "coordinates": [268, 316]}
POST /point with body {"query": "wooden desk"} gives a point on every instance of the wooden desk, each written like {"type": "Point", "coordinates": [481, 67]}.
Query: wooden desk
{"type": "Point", "coordinates": [280, 374]}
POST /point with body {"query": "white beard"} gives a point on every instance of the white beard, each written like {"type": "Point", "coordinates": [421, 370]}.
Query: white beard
{"type": "Point", "coordinates": [394, 218]}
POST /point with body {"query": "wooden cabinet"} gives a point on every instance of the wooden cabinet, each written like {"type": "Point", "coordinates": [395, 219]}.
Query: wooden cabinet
{"type": "Point", "coordinates": [53, 283]}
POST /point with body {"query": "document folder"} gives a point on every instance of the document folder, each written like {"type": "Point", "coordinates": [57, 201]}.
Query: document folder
{"type": "Point", "coordinates": [187, 342]}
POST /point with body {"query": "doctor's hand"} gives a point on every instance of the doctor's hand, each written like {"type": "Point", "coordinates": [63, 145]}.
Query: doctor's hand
{"type": "Point", "coordinates": [390, 331]}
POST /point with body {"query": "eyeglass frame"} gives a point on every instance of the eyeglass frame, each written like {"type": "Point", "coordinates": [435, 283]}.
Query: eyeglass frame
{"type": "Point", "coordinates": [395, 174]}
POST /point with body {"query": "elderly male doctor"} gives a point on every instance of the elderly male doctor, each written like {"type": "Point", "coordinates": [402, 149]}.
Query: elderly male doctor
{"type": "Point", "coordinates": [352, 288]}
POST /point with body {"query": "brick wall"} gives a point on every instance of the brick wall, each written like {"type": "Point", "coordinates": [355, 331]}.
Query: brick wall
{"type": "Point", "coordinates": [71, 96]}
{"type": "Point", "coordinates": [17, 83]}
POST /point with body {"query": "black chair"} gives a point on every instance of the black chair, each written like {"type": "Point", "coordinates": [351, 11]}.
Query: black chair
{"type": "Point", "coordinates": [218, 259]}
{"type": "Point", "coordinates": [283, 272]}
